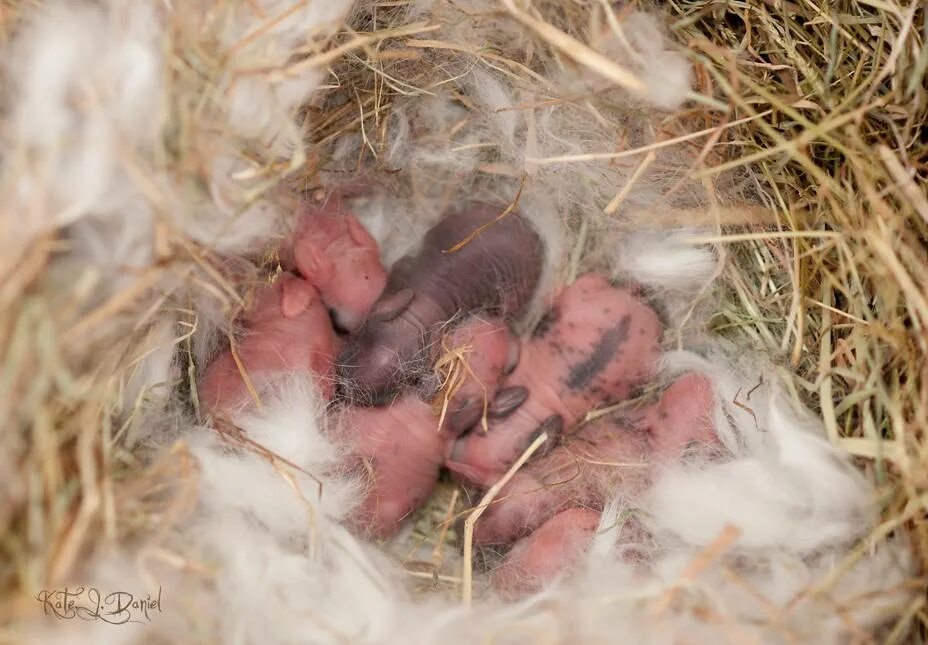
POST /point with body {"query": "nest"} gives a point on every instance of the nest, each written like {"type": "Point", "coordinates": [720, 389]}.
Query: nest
{"type": "Point", "coordinates": [805, 134]}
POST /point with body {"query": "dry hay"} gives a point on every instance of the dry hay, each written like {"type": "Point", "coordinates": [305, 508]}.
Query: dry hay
{"type": "Point", "coordinates": [838, 148]}
{"type": "Point", "coordinates": [819, 108]}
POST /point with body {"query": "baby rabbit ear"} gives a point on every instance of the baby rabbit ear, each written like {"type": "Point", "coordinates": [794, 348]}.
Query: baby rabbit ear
{"type": "Point", "coordinates": [507, 401]}
{"type": "Point", "coordinates": [358, 234]}
{"type": "Point", "coordinates": [391, 306]}
{"type": "Point", "coordinates": [554, 427]}
{"type": "Point", "coordinates": [467, 472]}
{"type": "Point", "coordinates": [296, 296]}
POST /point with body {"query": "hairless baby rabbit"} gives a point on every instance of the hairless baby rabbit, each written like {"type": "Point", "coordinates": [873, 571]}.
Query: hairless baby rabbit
{"type": "Point", "coordinates": [338, 256]}
{"type": "Point", "coordinates": [595, 345]}
{"type": "Point", "coordinates": [287, 329]}
{"type": "Point", "coordinates": [476, 259]}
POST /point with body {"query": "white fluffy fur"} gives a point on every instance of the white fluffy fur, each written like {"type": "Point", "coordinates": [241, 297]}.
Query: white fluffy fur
{"type": "Point", "coordinates": [84, 151]}
{"type": "Point", "coordinates": [263, 558]}
{"type": "Point", "coordinates": [262, 105]}
{"type": "Point", "coordinates": [667, 261]}
{"type": "Point", "coordinates": [88, 102]}
{"type": "Point", "coordinates": [152, 376]}
{"type": "Point", "coordinates": [794, 490]}
{"type": "Point", "coordinates": [89, 112]}
{"type": "Point", "coordinates": [639, 40]}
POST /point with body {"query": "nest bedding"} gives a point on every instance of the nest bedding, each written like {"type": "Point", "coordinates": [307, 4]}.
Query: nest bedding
{"type": "Point", "coordinates": [155, 159]}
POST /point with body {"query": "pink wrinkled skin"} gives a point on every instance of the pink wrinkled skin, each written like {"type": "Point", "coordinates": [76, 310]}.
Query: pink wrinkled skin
{"type": "Point", "coordinates": [335, 253]}
{"type": "Point", "coordinates": [288, 329]}
{"type": "Point", "coordinates": [603, 457]}
{"type": "Point", "coordinates": [599, 343]}
{"type": "Point", "coordinates": [398, 448]}
{"type": "Point", "coordinates": [398, 451]}
{"type": "Point", "coordinates": [489, 350]}
{"type": "Point", "coordinates": [555, 547]}
{"type": "Point", "coordinates": [587, 469]}
{"type": "Point", "coordinates": [556, 501]}
{"type": "Point", "coordinates": [681, 422]}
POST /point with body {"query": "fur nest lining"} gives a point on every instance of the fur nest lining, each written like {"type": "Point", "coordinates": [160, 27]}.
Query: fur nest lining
{"type": "Point", "coordinates": [153, 155]}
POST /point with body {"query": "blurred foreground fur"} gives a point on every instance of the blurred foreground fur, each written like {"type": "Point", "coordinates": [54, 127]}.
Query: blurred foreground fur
{"type": "Point", "coordinates": [150, 160]}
